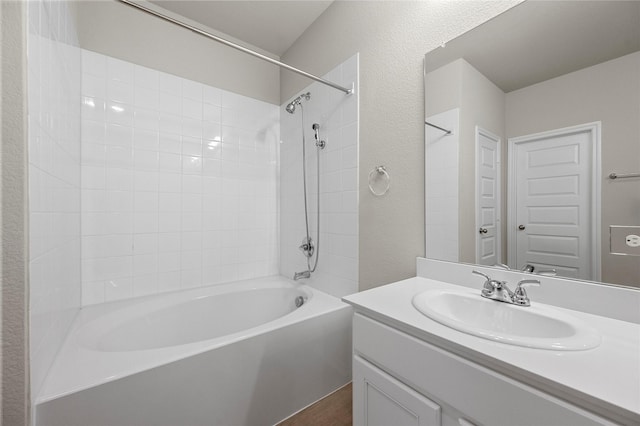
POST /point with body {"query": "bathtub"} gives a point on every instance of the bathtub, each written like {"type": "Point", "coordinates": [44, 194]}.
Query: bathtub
{"type": "Point", "coordinates": [240, 353]}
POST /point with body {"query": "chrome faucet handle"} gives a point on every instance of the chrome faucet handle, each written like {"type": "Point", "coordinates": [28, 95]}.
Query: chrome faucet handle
{"type": "Point", "coordinates": [547, 272]}
{"type": "Point", "coordinates": [503, 266]}
{"type": "Point", "coordinates": [487, 277]}
{"type": "Point", "coordinates": [490, 285]}
{"type": "Point", "coordinates": [520, 296]}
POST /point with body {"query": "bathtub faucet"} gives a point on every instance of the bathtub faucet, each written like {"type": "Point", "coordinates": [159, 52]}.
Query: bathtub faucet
{"type": "Point", "coordinates": [303, 274]}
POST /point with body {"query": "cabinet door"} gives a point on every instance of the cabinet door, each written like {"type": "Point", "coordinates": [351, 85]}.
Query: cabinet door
{"type": "Point", "coordinates": [381, 400]}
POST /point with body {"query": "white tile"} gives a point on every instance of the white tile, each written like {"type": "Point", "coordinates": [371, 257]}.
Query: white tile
{"type": "Point", "coordinates": [169, 202]}
{"type": "Point", "coordinates": [170, 123]}
{"type": "Point", "coordinates": [145, 139]}
{"type": "Point", "coordinates": [119, 156]}
{"type": "Point", "coordinates": [94, 87]}
{"type": "Point", "coordinates": [145, 243]}
{"type": "Point", "coordinates": [119, 135]}
{"type": "Point", "coordinates": [146, 77]}
{"type": "Point", "coordinates": [93, 177]}
{"type": "Point", "coordinates": [169, 104]}
{"type": "Point", "coordinates": [169, 261]}
{"type": "Point", "coordinates": [169, 222]}
{"type": "Point", "coordinates": [93, 292]}
{"type": "Point", "coordinates": [146, 201]}
{"type": "Point", "coordinates": [212, 95]}
{"type": "Point", "coordinates": [145, 222]}
{"type": "Point", "coordinates": [119, 179]}
{"type": "Point", "coordinates": [169, 182]}
{"type": "Point", "coordinates": [191, 146]}
{"type": "Point", "coordinates": [170, 143]}
{"type": "Point", "coordinates": [146, 98]}
{"type": "Point", "coordinates": [118, 289]}
{"type": "Point", "coordinates": [145, 284]}
{"type": "Point", "coordinates": [119, 113]}
{"type": "Point", "coordinates": [94, 63]}
{"type": "Point", "coordinates": [145, 160]}
{"type": "Point", "coordinates": [210, 113]}
{"type": "Point", "coordinates": [190, 241]}
{"type": "Point", "coordinates": [145, 264]}
{"type": "Point", "coordinates": [191, 127]}
{"type": "Point", "coordinates": [119, 91]}
{"type": "Point", "coordinates": [146, 180]}
{"type": "Point", "coordinates": [168, 242]}
{"type": "Point", "coordinates": [192, 90]}
{"type": "Point", "coordinates": [169, 162]}
{"type": "Point", "coordinates": [192, 109]}
{"type": "Point", "coordinates": [191, 165]}
{"type": "Point", "coordinates": [170, 84]}
{"type": "Point", "coordinates": [119, 70]}
{"type": "Point", "coordinates": [146, 119]}
{"type": "Point", "coordinates": [169, 281]}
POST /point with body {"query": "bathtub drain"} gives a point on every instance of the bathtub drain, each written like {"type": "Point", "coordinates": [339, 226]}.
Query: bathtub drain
{"type": "Point", "coordinates": [299, 301]}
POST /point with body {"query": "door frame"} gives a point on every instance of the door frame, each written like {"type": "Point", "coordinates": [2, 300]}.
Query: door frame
{"type": "Point", "coordinates": [594, 129]}
{"type": "Point", "coordinates": [479, 131]}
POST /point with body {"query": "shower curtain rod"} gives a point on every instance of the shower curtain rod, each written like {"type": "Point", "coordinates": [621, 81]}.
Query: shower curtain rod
{"type": "Point", "coordinates": [448, 132]}
{"type": "Point", "coordinates": [236, 46]}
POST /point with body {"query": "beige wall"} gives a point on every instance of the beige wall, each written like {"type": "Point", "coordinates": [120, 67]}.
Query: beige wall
{"type": "Point", "coordinates": [15, 375]}
{"type": "Point", "coordinates": [610, 93]}
{"type": "Point", "coordinates": [459, 85]}
{"type": "Point", "coordinates": [482, 105]}
{"type": "Point", "coordinates": [120, 31]}
{"type": "Point", "coordinates": [392, 38]}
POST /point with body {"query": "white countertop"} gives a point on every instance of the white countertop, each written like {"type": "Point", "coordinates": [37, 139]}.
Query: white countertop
{"type": "Point", "coordinates": [603, 380]}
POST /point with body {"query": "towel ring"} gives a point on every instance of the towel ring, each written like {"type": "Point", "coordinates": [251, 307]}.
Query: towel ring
{"type": "Point", "coordinates": [377, 172]}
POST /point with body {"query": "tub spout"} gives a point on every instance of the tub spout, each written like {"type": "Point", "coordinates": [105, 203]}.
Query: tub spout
{"type": "Point", "coordinates": [303, 274]}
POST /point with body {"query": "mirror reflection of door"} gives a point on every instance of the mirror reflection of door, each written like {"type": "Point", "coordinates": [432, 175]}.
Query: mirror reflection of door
{"type": "Point", "coordinates": [555, 201]}
{"type": "Point", "coordinates": [488, 240]}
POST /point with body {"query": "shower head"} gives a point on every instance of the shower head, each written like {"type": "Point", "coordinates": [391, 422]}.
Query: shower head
{"type": "Point", "coordinates": [291, 106]}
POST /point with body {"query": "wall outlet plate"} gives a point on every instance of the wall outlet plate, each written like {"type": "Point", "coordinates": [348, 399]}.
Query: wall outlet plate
{"type": "Point", "coordinates": [624, 240]}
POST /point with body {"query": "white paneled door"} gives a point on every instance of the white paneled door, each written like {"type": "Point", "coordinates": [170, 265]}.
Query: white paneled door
{"type": "Point", "coordinates": [554, 201]}
{"type": "Point", "coordinates": [487, 198]}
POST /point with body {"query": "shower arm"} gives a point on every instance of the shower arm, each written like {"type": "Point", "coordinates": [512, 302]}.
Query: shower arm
{"type": "Point", "coordinates": [233, 45]}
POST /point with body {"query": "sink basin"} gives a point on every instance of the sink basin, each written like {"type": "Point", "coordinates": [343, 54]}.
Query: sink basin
{"type": "Point", "coordinates": [535, 326]}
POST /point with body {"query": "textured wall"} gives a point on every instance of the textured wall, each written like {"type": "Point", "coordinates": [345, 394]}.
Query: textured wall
{"type": "Point", "coordinates": [392, 38]}
{"type": "Point", "coordinates": [118, 30]}
{"type": "Point", "coordinates": [15, 375]}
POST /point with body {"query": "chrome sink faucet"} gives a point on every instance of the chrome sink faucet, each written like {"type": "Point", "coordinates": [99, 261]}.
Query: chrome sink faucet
{"type": "Point", "coordinates": [530, 269]}
{"type": "Point", "coordinates": [498, 290]}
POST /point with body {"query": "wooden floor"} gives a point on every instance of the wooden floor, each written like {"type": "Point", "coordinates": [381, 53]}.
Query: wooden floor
{"type": "Point", "coordinates": [333, 410]}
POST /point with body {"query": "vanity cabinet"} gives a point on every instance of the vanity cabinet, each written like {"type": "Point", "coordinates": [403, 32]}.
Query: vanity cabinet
{"type": "Point", "coordinates": [401, 380]}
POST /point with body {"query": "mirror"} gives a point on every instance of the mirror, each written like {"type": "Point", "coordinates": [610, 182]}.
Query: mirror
{"type": "Point", "coordinates": [526, 117]}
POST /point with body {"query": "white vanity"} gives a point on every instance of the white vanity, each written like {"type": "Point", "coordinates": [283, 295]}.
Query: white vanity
{"type": "Point", "coordinates": [409, 369]}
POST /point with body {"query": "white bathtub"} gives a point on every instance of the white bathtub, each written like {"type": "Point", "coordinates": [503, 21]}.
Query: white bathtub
{"type": "Point", "coordinates": [233, 354]}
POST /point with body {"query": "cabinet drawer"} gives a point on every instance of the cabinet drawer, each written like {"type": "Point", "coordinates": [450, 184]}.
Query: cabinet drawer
{"type": "Point", "coordinates": [484, 395]}
{"type": "Point", "coordinates": [381, 400]}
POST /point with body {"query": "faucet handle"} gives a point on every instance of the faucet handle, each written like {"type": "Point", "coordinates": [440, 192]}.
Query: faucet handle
{"type": "Point", "coordinates": [487, 277]}
{"type": "Point", "coordinates": [503, 266]}
{"type": "Point", "coordinates": [547, 272]}
{"type": "Point", "coordinates": [520, 295]}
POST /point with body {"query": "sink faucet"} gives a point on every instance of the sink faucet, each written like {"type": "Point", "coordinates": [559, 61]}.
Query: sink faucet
{"type": "Point", "coordinates": [498, 290]}
{"type": "Point", "coordinates": [530, 269]}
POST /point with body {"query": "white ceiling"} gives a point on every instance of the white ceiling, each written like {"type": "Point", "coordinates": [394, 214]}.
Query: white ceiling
{"type": "Point", "coordinates": [539, 40]}
{"type": "Point", "coordinates": [270, 25]}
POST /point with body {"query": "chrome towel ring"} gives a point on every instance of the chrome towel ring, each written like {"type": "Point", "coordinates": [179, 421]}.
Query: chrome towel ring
{"type": "Point", "coordinates": [379, 173]}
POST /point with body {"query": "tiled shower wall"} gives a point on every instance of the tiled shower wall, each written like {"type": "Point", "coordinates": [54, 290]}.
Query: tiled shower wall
{"type": "Point", "coordinates": [179, 182]}
{"type": "Point", "coordinates": [53, 59]}
{"type": "Point", "coordinates": [337, 115]}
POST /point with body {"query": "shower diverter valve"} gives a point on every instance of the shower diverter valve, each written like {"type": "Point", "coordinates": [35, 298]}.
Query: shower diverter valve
{"type": "Point", "coordinates": [307, 247]}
